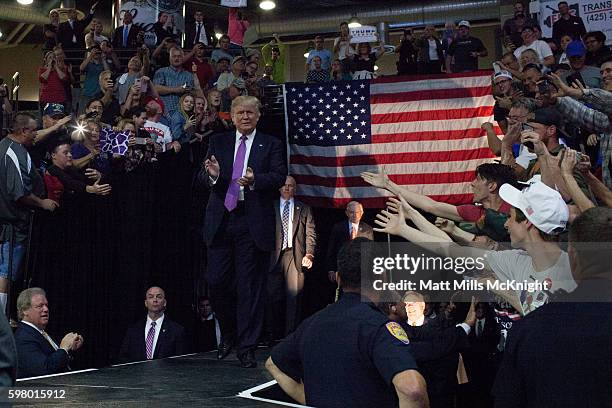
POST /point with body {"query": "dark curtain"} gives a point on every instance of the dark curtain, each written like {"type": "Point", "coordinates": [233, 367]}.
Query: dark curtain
{"type": "Point", "coordinates": [96, 256]}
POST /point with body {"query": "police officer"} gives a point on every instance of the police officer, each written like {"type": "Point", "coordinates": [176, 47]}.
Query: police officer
{"type": "Point", "coordinates": [349, 354]}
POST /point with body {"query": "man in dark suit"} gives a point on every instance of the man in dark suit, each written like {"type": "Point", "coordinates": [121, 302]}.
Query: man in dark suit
{"type": "Point", "coordinates": [198, 31]}
{"type": "Point", "coordinates": [437, 346]}
{"type": "Point", "coordinates": [37, 353]}
{"type": "Point", "coordinates": [480, 359]}
{"type": "Point", "coordinates": [345, 231]}
{"type": "Point", "coordinates": [244, 170]}
{"type": "Point", "coordinates": [71, 33]}
{"type": "Point", "coordinates": [295, 248]}
{"type": "Point", "coordinates": [156, 336]}
{"type": "Point", "coordinates": [126, 35]}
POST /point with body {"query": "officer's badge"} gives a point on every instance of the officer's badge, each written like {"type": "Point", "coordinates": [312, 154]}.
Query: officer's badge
{"type": "Point", "coordinates": [397, 332]}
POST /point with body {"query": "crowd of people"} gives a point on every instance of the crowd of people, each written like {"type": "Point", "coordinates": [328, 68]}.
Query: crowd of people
{"type": "Point", "coordinates": [534, 212]}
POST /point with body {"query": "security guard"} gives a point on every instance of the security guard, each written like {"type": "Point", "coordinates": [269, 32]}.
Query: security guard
{"type": "Point", "coordinates": [349, 354]}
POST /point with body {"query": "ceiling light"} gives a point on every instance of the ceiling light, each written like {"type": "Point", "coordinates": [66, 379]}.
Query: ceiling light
{"type": "Point", "coordinates": [375, 67]}
{"type": "Point", "coordinates": [218, 35]}
{"type": "Point", "coordinates": [267, 5]}
{"type": "Point", "coordinates": [25, 2]}
{"type": "Point", "coordinates": [354, 23]}
{"type": "Point", "coordinates": [1, 33]}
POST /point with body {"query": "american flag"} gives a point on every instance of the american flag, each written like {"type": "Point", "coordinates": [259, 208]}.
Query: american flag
{"type": "Point", "coordinates": [424, 131]}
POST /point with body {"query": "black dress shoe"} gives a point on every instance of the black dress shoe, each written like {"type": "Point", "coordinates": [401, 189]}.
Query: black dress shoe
{"type": "Point", "coordinates": [247, 360]}
{"type": "Point", "coordinates": [223, 350]}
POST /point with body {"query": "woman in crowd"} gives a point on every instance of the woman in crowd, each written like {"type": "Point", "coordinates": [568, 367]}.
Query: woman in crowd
{"type": "Point", "coordinates": [183, 121]}
{"type": "Point", "coordinates": [337, 72]}
{"type": "Point", "coordinates": [202, 130]}
{"type": "Point", "coordinates": [87, 153]}
{"type": "Point", "coordinates": [562, 57]}
{"type": "Point", "coordinates": [216, 123]}
{"type": "Point", "coordinates": [54, 80]}
{"type": "Point", "coordinates": [93, 110]}
{"type": "Point", "coordinates": [364, 62]}
{"type": "Point", "coordinates": [62, 178]}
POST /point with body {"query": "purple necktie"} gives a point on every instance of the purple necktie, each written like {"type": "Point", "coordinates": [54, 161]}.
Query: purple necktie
{"type": "Point", "coordinates": [149, 341]}
{"type": "Point", "coordinates": [231, 198]}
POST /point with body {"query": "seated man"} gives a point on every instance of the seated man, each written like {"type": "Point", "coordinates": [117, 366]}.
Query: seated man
{"type": "Point", "coordinates": [37, 353]}
{"type": "Point", "coordinates": [153, 337]}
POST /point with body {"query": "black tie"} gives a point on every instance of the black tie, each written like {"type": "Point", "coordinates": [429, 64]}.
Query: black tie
{"type": "Point", "coordinates": [197, 37]}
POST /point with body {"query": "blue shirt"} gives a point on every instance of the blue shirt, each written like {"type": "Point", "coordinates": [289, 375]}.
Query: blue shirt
{"type": "Point", "coordinates": [325, 55]}
{"type": "Point", "coordinates": [101, 162]}
{"type": "Point", "coordinates": [91, 85]}
{"type": "Point", "coordinates": [170, 76]}
{"type": "Point", "coordinates": [177, 121]}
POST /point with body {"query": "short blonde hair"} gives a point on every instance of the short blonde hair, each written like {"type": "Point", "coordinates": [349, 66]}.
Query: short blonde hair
{"type": "Point", "coordinates": [246, 100]}
{"type": "Point", "coordinates": [24, 300]}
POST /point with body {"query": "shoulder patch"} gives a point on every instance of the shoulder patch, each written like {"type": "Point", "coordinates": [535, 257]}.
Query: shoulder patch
{"type": "Point", "coordinates": [396, 331]}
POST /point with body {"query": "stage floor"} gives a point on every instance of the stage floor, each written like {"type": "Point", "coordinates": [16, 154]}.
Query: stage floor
{"type": "Point", "coordinates": [192, 380]}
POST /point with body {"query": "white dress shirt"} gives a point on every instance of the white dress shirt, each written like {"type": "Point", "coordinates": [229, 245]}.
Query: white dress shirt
{"type": "Point", "coordinates": [203, 38]}
{"type": "Point", "coordinates": [217, 328]}
{"type": "Point", "coordinates": [249, 144]}
{"type": "Point", "coordinates": [290, 224]}
{"type": "Point", "coordinates": [353, 227]}
{"type": "Point", "coordinates": [158, 325]}
{"type": "Point", "coordinates": [418, 322]}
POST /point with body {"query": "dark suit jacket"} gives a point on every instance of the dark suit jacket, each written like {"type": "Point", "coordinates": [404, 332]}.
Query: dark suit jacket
{"type": "Point", "coordinates": [171, 342]}
{"type": "Point", "coordinates": [304, 235]}
{"type": "Point", "coordinates": [440, 367]}
{"type": "Point", "coordinates": [190, 33]}
{"type": "Point", "coordinates": [268, 163]}
{"type": "Point", "coordinates": [132, 36]}
{"type": "Point", "coordinates": [65, 33]}
{"type": "Point", "coordinates": [35, 354]}
{"type": "Point", "coordinates": [339, 235]}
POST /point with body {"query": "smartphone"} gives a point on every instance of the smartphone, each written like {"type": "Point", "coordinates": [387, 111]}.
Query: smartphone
{"type": "Point", "coordinates": [141, 140]}
{"type": "Point", "coordinates": [527, 128]}
{"type": "Point", "coordinates": [571, 78]}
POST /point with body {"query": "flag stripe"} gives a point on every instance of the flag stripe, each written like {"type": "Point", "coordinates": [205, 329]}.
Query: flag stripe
{"type": "Point", "coordinates": [361, 192]}
{"type": "Point", "coordinates": [417, 146]}
{"type": "Point", "coordinates": [450, 114]}
{"type": "Point", "coordinates": [433, 104]}
{"type": "Point", "coordinates": [377, 202]}
{"type": "Point", "coordinates": [401, 179]}
{"type": "Point", "coordinates": [428, 126]}
{"type": "Point", "coordinates": [408, 96]}
{"type": "Point", "coordinates": [435, 135]}
{"type": "Point", "coordinates": [334, 172]}
{"type": "Point", "coordinates": [413, 157]}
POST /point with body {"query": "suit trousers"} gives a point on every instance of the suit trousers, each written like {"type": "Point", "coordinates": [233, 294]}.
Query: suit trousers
{"type": "Point", "coordinates": [236, 276]}
{"type": "Point", "coordinates": [284, 295]}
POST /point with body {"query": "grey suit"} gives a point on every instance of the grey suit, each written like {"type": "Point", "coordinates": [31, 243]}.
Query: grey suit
{"type": "Point", "coordinates": [286, 279]}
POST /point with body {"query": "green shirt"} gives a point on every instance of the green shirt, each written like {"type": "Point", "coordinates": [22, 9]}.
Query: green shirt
{"type": "Point", "coordinates": [278, 66]}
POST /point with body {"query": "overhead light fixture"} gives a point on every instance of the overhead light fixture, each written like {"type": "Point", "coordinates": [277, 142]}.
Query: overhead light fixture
{"type": "Point", "coordinates": [1, 33]}
{"type": "Point", "coordinates": [375, 67]}
{"type": "Point", "coordinates": [354, 23]}
{"type": "Point", "coordinates": [218, 35]}
{"type": "Point", "coordinates": [25, 2]}
{"type": "Point", "coordinates": [267, 5]}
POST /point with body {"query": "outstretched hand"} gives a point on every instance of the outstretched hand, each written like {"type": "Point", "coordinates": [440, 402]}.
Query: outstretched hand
{"type": "Point", "coordinates": [391, 223]}
{"type": "Point", "coordinates": [380, 180]}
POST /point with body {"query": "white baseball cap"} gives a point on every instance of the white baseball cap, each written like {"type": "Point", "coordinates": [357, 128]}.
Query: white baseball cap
{"type": "Point", "coordinates": [543, 206]}
{"type": "Point", "coordinates": [463, 23]}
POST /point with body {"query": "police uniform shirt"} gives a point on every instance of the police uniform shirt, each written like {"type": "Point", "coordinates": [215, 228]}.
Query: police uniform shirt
{"type": "Point", "coordinates": [346, 355]}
